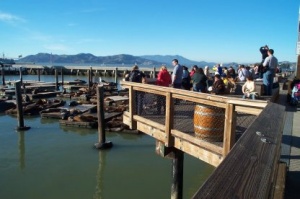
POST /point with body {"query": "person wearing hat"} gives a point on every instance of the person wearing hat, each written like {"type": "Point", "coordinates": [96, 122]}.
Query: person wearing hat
{"type": "Point", "coordinates": [264, 52]}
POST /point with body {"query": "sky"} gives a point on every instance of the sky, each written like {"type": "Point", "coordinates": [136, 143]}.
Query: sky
{"type": "Point", "coordinates": [200, 30]}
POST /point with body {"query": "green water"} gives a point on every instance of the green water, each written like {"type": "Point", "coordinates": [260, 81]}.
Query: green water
{"type": "Point", "coordinates": [50, 161]}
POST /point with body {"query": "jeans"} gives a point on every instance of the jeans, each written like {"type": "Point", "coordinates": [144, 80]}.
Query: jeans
{"type": "Point", "coordinates": [199, 88]}
{"type": "Point", "coordinates": [268, 78]}
{"type": "Point", "coordinates": [252, 96]}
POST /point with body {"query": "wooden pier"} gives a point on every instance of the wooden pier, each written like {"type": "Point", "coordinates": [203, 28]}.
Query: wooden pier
{"type": "Point", "coordinates": [249, 150]}
{"type": "Point", "coordinates": [35, 69]}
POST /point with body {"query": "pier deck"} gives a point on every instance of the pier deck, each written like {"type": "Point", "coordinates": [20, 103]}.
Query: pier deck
{"type": "Point", "coordinates": [290, 153]}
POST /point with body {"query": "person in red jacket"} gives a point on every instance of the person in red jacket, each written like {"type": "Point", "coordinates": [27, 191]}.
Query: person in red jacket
{"type": "Point", "coordinates": [163, 79]}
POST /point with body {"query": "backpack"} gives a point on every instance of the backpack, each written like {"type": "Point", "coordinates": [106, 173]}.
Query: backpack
{"type": "Point", "coordinates": [135, 76]}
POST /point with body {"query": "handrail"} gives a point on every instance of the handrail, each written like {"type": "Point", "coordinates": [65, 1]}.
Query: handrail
{"type": "Point", "coordinates": [206, 96]}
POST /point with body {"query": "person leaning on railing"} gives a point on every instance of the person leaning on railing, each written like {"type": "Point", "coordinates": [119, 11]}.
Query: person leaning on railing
{"type": "Point", "coordinates": [139, 77]}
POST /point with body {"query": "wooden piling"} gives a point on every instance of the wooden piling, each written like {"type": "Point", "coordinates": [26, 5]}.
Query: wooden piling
{"type": "Point", "coordinates": [21, 77]}
{"type": "Point", "coordinates": [39, 74]}
{"type": "Point", "coordinates": [89, 78]}
{"type": "Point", "coordinates": [116, 75]}
{"type": "Point", "coordinates": [20, 107]}
{"type": "Point", "coordinates": [3, 74]}
{"type": "Point", "coordinates": [56, 80]}
{"type": "Point", "coordinates": [62, 78]}
{"type": "Point", "coordinates": [177, 175]}
{"type": "Point", "coordinates": [102, 144]}
{"type": "Point", "coordinates": [154, 72]}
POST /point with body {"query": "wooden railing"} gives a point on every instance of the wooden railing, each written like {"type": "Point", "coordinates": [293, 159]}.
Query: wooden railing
{"type": "Point", "coordinates": [168, 137]}
{"type": "Point", "coordinates": [250, 168]}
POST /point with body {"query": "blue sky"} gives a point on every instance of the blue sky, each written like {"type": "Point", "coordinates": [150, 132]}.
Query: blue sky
{"type": "Point", "coordinates": [200, 30]}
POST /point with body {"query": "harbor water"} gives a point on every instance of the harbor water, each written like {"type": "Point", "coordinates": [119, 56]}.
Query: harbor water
{"type": "Point", "coordinates": [53, 161]}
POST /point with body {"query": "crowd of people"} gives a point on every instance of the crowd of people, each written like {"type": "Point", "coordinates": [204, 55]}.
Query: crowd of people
{"type": "Point", "coordinates": [222, 81]}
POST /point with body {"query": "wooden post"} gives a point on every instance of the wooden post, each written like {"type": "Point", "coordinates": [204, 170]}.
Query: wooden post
{"type": "Point", "coordinates": [3, 74]}
{"type": "Point", "coordinates": [102, 144]}
{"type": "Point", "coordinates": [177, 175]}
{"type": "Point", "coordinates": [21, 77]}
{"type": "Point", "coordinates": [116, 75]}
{"type": "Point", "coordinates": [56, 80]}
{"type": "Point", "coordinates": [39, 74]}
{"type": "Point", "coordinates": [62, 78]}
{"type": "Point", "coordinates": [229, 129]}
{"type": "Point", "coordinates": [91, 76]}
{"type": "Point", "coordinates": [169, 119]}
{"type": "Point", "coordinates": [20, 107]}
{"type": "Point", "coordinates": [89, 79]}
{"type": "Point", "coordinates": [132, 107]}
{"type": "Point", "coordinates": [154, 72]}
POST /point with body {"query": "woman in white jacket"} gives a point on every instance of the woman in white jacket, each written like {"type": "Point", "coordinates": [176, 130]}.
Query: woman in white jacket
{"type": "Point", "coordinates": [248, 88]}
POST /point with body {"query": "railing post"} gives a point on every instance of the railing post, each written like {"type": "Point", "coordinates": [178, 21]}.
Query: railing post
{"type": "Point", "coordinates": [169, 119]}
{"type": "Point", "coordinates": [102, 144]}
{"type": "Point", "coordinates": [229, 129]}
{"type": "Point", "coordinates": [132, 107]}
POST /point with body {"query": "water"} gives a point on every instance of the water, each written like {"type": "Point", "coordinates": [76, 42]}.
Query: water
{"type": "Point", "coordinates": [53, 161]}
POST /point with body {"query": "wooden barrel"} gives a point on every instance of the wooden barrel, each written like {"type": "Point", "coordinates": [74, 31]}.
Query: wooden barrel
{"type": "Point", "coordinates": [209, 122]}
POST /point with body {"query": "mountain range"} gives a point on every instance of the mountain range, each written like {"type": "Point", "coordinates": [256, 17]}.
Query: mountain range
{"type": "Point", "coordinates": [122, 59]}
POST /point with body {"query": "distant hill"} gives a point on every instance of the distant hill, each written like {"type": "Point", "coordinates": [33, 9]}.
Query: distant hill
{"type": "Point", "coordinates": [122, 59]}
{"type": "Point", "coordinates": [167, 59]}
{"type": "Point", "coordinates": [87, 58]}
